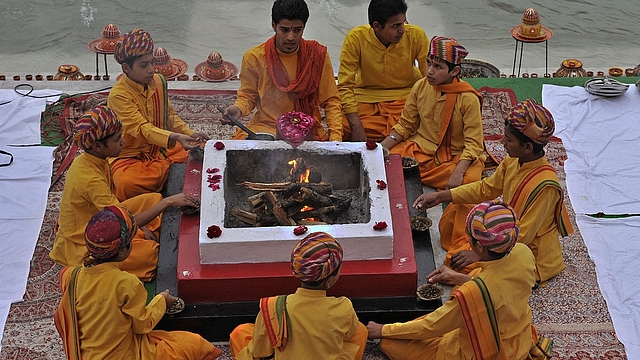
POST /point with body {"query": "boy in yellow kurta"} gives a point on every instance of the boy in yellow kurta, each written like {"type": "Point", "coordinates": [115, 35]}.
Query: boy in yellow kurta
{"type": "Point", "coordinates": [527, 182]}
{"type": "Point", "coordinates": [89, 188]}
{"type": "Point", "coordinates": [488, 317]}
{"type": "Point", "coordinates": [288, 73]}
{"type": "Point", "coordinates": [307, 324]}
{"type": "Point", "coordinates": [151, 126]}
{"type": "Point", "coordinates": [378, 69]}
{"type": "Point", "coordinates": [103, 312]}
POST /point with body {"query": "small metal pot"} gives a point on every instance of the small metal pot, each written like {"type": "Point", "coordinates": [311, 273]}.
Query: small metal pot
{"type": "Point", "coordinates": [261, 136]}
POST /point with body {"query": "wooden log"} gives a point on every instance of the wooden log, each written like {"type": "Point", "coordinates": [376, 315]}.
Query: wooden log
{"type": "Point", "coordinates": [314, 213]}
{"type": "Point", "coordinates": [312, 222]}
{"type": "Point", "coordinates": [244, 216]}
{"type": "Point", "coordinates": [274, 205]}
{"type": "Point", "coordinates": [322, 188]}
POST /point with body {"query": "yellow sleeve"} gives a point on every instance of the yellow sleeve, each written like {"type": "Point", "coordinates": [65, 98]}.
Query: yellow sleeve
{"type": "Point", "coordinates": [133, 123]}
{"type": "Point", "coordinates": [259, 346]}
{"type": "Point", "coordinates": [330, 101]}
{"type": "Point", "coordinates": [97, 192]}
{"type": "Point", "coordinates": [410, 118]}
{"type": "Point", "coordinates": [349, 65]}
{"type": "Point", "coordinates": [479, 191]}
{"type": "Point", "coordinates": [542, 208]}
{"type": "Point", "coordinates": [422, 43]}
{"type": "Point", "coordinates": [176, 124]}
{"type": "Point", "coordinates": [441, 321]}
{"type": "Point", "coordinates": [248, 95]}
{"type": "Point", "coordinates": [472, 127]}
{"type": "Point", "coordinates": [143, 317]}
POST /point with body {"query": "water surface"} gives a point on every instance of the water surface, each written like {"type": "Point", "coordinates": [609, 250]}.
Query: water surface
{"type": "Point", "coordinates": [40, 35]}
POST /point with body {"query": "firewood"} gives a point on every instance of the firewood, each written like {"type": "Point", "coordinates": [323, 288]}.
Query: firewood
{"type": "Point", "coordinates": [311, 222]}
{"type": "Point", "coordinates": [291, 188]}
{"type": "Point", "coordinates": [244, 216]}
{"type": "Point", "coordinates": [255, 201]}
{"type": "Point", "coordinates": [274, 205]}
{"type": "Point", "coordinates": [265, 186]}
{"type": "Point", "coordinates": [314, 213]}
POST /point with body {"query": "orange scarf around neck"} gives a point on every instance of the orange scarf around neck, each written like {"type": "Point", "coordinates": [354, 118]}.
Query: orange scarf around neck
{"type": "Point", "coordinates": [443, 152]}
{"type": "Point", "coordinates": [304, 90]}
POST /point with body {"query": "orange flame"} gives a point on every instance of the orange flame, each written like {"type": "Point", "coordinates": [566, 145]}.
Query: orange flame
{"type": "Point", "coordinates": [304, 178]}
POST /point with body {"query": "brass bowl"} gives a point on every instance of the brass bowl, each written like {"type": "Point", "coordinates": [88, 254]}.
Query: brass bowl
{"type": "Point", "coordinates": [420, 223]}
{"type": "Point", "coordinates": [409, 163]}
{"type": "Point", "coordinates": [429, 292]}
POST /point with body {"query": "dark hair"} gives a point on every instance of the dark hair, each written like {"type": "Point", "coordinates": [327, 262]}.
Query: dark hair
{"type": "Point", "coordinates": [317, 284]}
{"type": "Point", "coordinates": [382, 10]}
{"type": "Point", "coordinates": [290, 10]}
{"type": "Point", "coordinates": [492, 254]}
{"type": "Point", "coordinates": [130, 60]}
{"type": "Point", "coordinates": [450, 66]}
{"type": "Point", "coordinates": [104, 140]}
{"type": "Point", "coordinates": [537, 148]}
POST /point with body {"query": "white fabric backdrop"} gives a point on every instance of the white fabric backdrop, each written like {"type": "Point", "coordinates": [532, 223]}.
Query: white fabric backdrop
{"type": "Point", "coordinates": [23, 191]}
{"type": "Point", "coordinates": [603, 171]}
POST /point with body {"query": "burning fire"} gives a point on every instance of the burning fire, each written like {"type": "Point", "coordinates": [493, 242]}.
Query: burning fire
{"type": "Point", "coordinates": [303, 174]}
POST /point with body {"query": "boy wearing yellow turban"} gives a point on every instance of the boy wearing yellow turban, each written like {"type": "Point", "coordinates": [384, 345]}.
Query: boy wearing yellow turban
{"type": "Point", "coordinates": [150, 125]}
{"type": "Point", "coordinates": [103, 312]}
{"type": "Point", "coordinates": [89, 188]}
{"type": "Point", "coordinates": [488, 316]}
{"type": "Point", "coordinates": [308, 324]}
{"type": "Point", "coordinates": [526, 181]}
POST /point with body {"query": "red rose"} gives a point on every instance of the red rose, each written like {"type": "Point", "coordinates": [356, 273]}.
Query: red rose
{"type": "Point", "coordinates": [371, 145]}
{"type": "Point", "coordinates": [214, 231]}
{"type": "Point", "coordinates": [300, 230]}
{"type": "Point", "coordinates": [381, 184]}
{"type": "Point", "coordinates": [380, 225]}
{"type": "Point", "coordinates": [219, 145]}
{"type": "Point", "coordinates": [214, 187]}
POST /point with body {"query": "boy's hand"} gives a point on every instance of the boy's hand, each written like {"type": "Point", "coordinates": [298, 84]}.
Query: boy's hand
{"type": "Point", "coordinates": [186, 141]}
{"type": "Point", "coordinates": [425, 201]}
{"type": "Point", "coordinates": [375, 330]}
{"type": "Point", "coordinates": [168, 298]}
{"type": "Point", "coordinates": [463, 258]}
{"type": "Point", "coordinates": [232, 111]}
{"type": "Point", "coordinates": [445, 275]}
{"type": "Point", "coordinates": [181, 199]}
{"type": "Point", "coordinates": [357, 130]}
{"type": "Point", "coordinates": [455, 180]}
{"type": "Point", "coordinates": [148, 234]}
{"type": "Point", "coordinates": [200, 136]}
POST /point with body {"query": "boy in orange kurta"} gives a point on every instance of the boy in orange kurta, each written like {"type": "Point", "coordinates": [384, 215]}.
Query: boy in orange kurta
{"type": "Point", "coordinates": [288, 73]}
{"type": "Point", "coordinates": [151, 126]}
{"type": "Point", "coordinates": [103, 312]}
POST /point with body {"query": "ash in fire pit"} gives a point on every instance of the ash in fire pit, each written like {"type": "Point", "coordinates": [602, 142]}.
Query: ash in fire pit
{"type": "Point", "coordinates": [267, 190]}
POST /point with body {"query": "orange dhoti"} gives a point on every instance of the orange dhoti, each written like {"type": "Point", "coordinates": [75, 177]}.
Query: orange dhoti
{"type": "Point", "coordinates": [437, 175]}
{"type": "Point", "coordinates": [179, 345]}
{"type": "Point", "coordinates": [377, 119]}
{"type": "Point", "coordinates": [242, 335]}
{"type": "Point", "coordinates": [145, 173]}
{"type": "Point", "coordinates": [143, 260]}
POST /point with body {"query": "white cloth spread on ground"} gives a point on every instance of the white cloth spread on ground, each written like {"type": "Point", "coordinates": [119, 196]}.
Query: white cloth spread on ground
{"type": "Point", "coordinates": [603, 170]}
{"type": "Point", "coordinates": [24, 186]}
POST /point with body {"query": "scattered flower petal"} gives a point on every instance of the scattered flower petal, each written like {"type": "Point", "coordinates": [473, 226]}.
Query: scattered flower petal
{"type": "Point", "coordinates": [381, 184]}
{"type": "Point", "coordinates": [371, 145]}
{"type": "Point", "coordinates": [214, 231]}
{"type": "Point", "coordinates": [380, 225]}
{"type": "Point", "coordinates": [219, 145]}
{"type": "Point", "coordinates": [300, 230]}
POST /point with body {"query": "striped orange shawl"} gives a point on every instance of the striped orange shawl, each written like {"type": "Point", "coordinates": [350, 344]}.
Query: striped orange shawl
{"type": "Point", "coordinates": [443, 152]}
{"type": "Point", "coordinates": [529, 190]}
{"type": "Point", "coordinates": [276, 320]}
{"type": "Point", "coordinates": [65, 317]}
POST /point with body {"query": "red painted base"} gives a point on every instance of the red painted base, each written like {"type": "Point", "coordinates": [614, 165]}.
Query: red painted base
{"type": "Point", "coordinates": [199, 283]}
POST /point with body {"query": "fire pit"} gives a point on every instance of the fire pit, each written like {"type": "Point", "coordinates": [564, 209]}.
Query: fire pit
{"type": "Point", "coordinates": [252, 192]}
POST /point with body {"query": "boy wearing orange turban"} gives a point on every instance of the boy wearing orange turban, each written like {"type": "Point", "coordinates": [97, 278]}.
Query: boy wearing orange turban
{"type": "Point", "coordinates": [308, 324]}
{"type": "Point", "coordinates": [150, 125]}
{"type": "Point", "coordinates": [103, 311]}
{"type": "Point", "coordinates": [89, 188]}
{"type": "Point", "coordinates": [488, 316]}
{"type": "Point", "coordinates": [526, 181]}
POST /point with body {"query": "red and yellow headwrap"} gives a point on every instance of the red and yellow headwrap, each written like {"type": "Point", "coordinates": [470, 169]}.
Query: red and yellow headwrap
{"type": "Point", "coordinates": [493, 224]}
{"type": "Point", "coordinates": [96, 124]}
{"type": "Point", "coordinates": [533, 120]}
{"type": "Point", "coordinates": [136, 42]}
{"type": "Point", "coordinates": [109, 230]}
{"type": "Point", "coordinates": [447, 49]}
{"type": "Point", "coordinates": [315, 257]}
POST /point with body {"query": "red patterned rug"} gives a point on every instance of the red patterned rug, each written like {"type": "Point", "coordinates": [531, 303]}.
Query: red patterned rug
{"type": "Point", "coordinates": [570, 310]}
